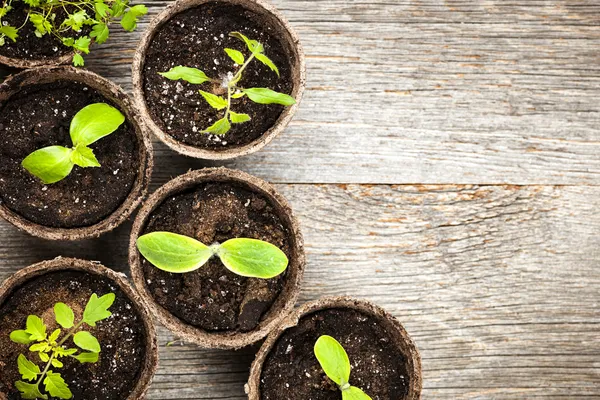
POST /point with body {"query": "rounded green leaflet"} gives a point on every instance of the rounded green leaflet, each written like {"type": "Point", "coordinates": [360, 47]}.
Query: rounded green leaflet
{"type": "Point", "coordinates": [172, 252]}
{"type": "Point", "coordinates": [50, 164]}
{"type": "Point", "coordinates": [86, 341]}
{"type": "Point", "coordinates": [252, 258]}
{"type": "Point", "coordinates": [354, 393]}
{"type": "Point", "coordinates": [333, 359]}
{"type": "Point", "coordinates": [94, 122]}
{"type": "Point", "coordinates": [21, 337]}
{"type": "Point", "coordinates": [64, 315]}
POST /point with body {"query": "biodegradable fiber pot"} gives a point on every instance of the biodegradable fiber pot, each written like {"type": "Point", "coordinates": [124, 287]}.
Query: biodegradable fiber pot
{"type": "Point", "coordinates": [36, 107]}
{"type": "Point", "coordinates": [385, 361]}
{"type": "Point", "coordinates": [129, 354]}
{"type": "Point", "coordinates": [194, 33]}
{"type": "Point", "coordinates": [212, 306]}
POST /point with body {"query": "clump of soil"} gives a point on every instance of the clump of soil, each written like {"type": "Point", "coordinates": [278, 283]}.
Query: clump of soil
{"type": "Point", "coordinates": [121, 336]}
{"type": "Point", "coordinates": [212, 297]}
{"type": "Point", "coordinates": [39, 116]}
{"type": "Point", "coordinates": [28, 46]}
{"type": "Point", "coordinates": [197, 38]}
{"type": "Point", "coordinates": [292, 372]}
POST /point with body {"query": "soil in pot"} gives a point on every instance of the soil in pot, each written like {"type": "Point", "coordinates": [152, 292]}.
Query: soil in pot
{"type": "Point", "coordinates": [39, 116]}
{"type": "Point", "coordinates": [213, 298]}
{"type": "Point", "coordinates": [197, 38]}
{"type": "Point", "coordinates": [291, 370]}
{"type": "Point", "coordinates": [121, 336]}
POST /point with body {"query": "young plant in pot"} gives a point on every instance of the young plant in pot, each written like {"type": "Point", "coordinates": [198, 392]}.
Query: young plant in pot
{"type": "Point", "coordinates": [75, 160]}
{"type": "Point", "coordinates": [219, 257]}
{"type": "Point", "coordinates": [74, 329]}
{"type": "Point", "coordinates": [337, 348]}
{"type": "Point", "coordinates": [48, 32]}
{"type": "Point", "coordinates": [218, 79]}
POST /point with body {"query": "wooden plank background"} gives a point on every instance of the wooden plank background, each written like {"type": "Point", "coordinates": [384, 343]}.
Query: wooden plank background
{"type": "Point", "coordinates": [445, 163]}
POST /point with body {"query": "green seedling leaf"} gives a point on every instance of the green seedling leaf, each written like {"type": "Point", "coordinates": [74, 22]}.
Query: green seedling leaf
{"type": "Point", "coordinates": [238, 118]}
{"type": "Point", "coordinates": [84, 157]}
{"type": "Point", "coordinates": [41, 347]}
{"type": "Point", "coordinates": [36, 328]}
{"type": "Point", "coordinates": [82, 44]}
{"type": "Point", "coordinates": [42, 25]}
{"type": "Point", "coordinates": [214, 101]}
{"type": "Point", "coordinates": [28, 370]}
{"type": "Point", "coordinates": [97, 308]}
{"type": "Point", "coordinates": [267, 61]}
{"type": "Point", "coordinates": [56, 363]}
{"type": "Point", "coordinates": [333, 359]}
{"type": "Point", "coordinates": [29, 391]}
{"type": "Point", "coordinates": [44, 357]}
{"type": "Point", "coordinates": [54, 335]}
{"type": "Point", "coordinates": [64, 315]}
{"type": "Point", "coordinates": [86, 341]}
{"type": "Point", "coordinates": [50, 164]}
{"type": "Point", "coordinates": [78, 60]}
{"type": "Point", "coordinates": [61, 352]}
{"type": "Point", "coordinates": [354, 393]}
{"type": "Point", "coordinates": [220, 127]}
{"type": "Point", "coordinates": [236, 56]}
{"type": "Point", "coordinates": [191, 75]}
{"type": "Point", "coordinates": [268, 96]}
{"type": "Point", "coordinates": [94, 122]}
{"type": "Point", "coordinates": [75, 21]}
{"type": "Point", "coordinates": [130, 19]}
{"type": "Point", "coordinates": [253, 45]}
{"type": "Point", "coordinates": [100, 32]}
{"type": "Point", "coordinates": [87, 357]}
{"type": "Point", "coordinates": [238, 95]}
{"type": "Point", "coordinates": [56, 386]}
{"type": "Point", "coordinates": [10, 31]}
{"type": "Point", "coordinates": [253, 258]}
{"type": "Point", "coordinates": [172, 252]}
{"type": "Point", "coordinates": [21, 337]}
{"type": "Point", "coordinates": [102, 9]}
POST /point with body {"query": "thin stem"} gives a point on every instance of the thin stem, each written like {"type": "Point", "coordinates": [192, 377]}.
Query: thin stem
{"type": "Point", "coordinates": [45, 371]}
{"type": "Point", "coordinates": [229, 89]}
{"type": "Point", "coordinates": [71, 332]}
{"type": "Point", "coordinates": [238, 75]}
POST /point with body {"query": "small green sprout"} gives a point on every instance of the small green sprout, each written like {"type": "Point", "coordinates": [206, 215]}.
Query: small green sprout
{"type": "Point", "coordinates": [50, 348]}
{"type": "Point", "coordinates": [336, 364]}
{"type": "Point", "coordinates": [54, 163]}
{"type": "Point", "coordinates": [180, 254]}
{"type": "Point", "coordinates": [230, 83]}
{"type": "Point", "coordinates": [71, 31]}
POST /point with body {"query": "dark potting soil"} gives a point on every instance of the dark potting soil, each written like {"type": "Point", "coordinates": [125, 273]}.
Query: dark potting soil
{"type": "Point", "coordinates": [39, 116]}
{"type": "Point", "coordinates": [121, 336]}
{"type": "Point", "coordinates": [197, 38]}
{"type": "Point", "coordinates": [28, 46]}
{"type": "Point", "coordinates": [212, 297]}
{"type": "Point", "coordinates": [291, 371]}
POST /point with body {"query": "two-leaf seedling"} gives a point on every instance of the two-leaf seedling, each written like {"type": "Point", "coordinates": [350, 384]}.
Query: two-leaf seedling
{"type": "Point", "coordinates": [179, 254]}
{"type": "Point", "coordinates": [51, 348]}
{"type": "Point", "coordinates": [230, 84]}
{"type": "Point", "coordinates": [336, 364]}
{"type": "Point", "coordinates": [73, 31]}
{"type": "Point", "coordinates": [54, 163]}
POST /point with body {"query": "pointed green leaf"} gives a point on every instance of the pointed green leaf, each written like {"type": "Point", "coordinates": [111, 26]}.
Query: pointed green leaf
{"type": "Point", "coordinates": [56, 386]}
{"type": "Point", "coordinates": [9, 31]}
{"type": "Point", "coordinates": [28, 370]}
{"type": "Point", "coordinates": [220, 127]}
{"type": "Point", "coordinates": [333, 359]}
{"type": "Point", "coordinates": [191, 75]}
{"type": "Point", "coordinates": [267, 61]}
{"type": "Point", "coordinates": [130, 19]}
{"type": "Point", "coordinates": [94, 122]}
{"type": "Point", "coordinates": [268, 96]}
{"type": "Point", "coordinates": [238, 118]}
{"type": "Point", "coordinates": [36, 328]}
{"type": "Point", "coordinates": [50, 164]}
{"type": "Point", "coordinates": [253, 258]}
{"type": "Point", "coordinates": [86, 341]}
{"type": "Point", "coordinates": [42, 347]}
{"type": "Point", "coordinates": [29, 391]}
{"type": "Point", "coordinates": [173, 253]}
{"type": "Point", "coordinates": [214, 101]}
{"type": "Point", "coordinates": [100, 32]}
{"type": "Point", "coordinates": [64, 315]}
{"type": "Point", "coordinates": [236, 56]}
{"type": "Point", "coordinates": [84, 157]}
{"type": "Point", "coordinates": [21, 337]}
{"type": "Point", "coordinates": [54, 335]}
{"type": "Point", "coordinates": [238, 95]}
{"type": "Point", "coordinates": [78, 60]}
{"type": "Point", "coordinates": [87, 357]}
{"type": "Point", "coordinates": [97, 308]}
{"type": "Point", "coordinates": [101, 8]}
{"type": "Point", "coordinates": [354, 393]}
{"type": "Point", "coordinates": [253, 45]}
{"type": "Point", "coordinates": [61, 352]}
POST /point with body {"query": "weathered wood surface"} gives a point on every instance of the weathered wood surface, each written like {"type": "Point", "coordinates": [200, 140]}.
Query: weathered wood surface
{"type": "Point", "coordinates": [499, 285]}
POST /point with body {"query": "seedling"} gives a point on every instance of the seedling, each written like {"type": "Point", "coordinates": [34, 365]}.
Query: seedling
{"type": "Point", "coordinates": [51, 348]}
{"type": "Point", "coordinates": [179, 254]}
{"type": "Point", "coordinates": [336, 364]}
{"type": "Point", "coordinates": [73, 31]}
{"type": "Point", "coordinates": [54, 163]}
{"type": "Point", "coordinates": [230, 84]}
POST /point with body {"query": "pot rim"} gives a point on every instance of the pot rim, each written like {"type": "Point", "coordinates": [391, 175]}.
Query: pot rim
{"type": "Point", "coordinates": [24, 63]}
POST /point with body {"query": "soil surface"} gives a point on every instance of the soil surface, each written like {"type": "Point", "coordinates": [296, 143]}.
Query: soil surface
{"type": "Point", "coordinates": [292, 372]}
{"type": "Point", "coordinates": [212, 297]}
{"type": "Point", "coordinates": [39, 116]}
{"type": "Point", "coordinates": [28, 46]}
{"type": "Point", "coordinates": [121, 336]}
{"type": "Point", "coordinates": [197, 38]}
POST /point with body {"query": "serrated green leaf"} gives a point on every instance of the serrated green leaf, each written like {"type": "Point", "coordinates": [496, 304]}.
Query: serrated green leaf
{"type": "Point", "coordinates": [82, 44]}
{"type": "Point", "coordinates": [64, 315]}
{"type": "Point", "coordinates": [84, 157]}
{"type": "Point", "coordinates": [78, 60]}
{"type": "Point", "coordinates": [220, 127]}
{"type": "Point", "coordinates": [253, 45]}
{"type": "Point", "coordinates": [10, 31]}
{"type": "Point", "coordinates": [56, 363]}
{"type": "Point", "coordinates": [101, 9]}
{"type": "Point", "coordinates": [100, 32]}
{"type": "Point", "coordinates": [214, 101]}
{"type": "Point", "coordinates": [36, 328]}
{"type": "Point", "coordinates": [236, 56]}
{"type": "Point", "coordinates": [333, 359]}
{"type": "Point", "coordinates": [75, 21]}
{"type": "Point", "coordinates": [61, 352]}
{"type": "Point", "coordinates": [21, 337]}
{"type": "Point", "coordinates": [28, 370]}
{"type": "Point", "coordinates": [86, 341]}
{"type": "Point", "coordinates": [42, 25]}
{"type": "Point", "coordinates": [50, 164]}
{"type": "Point", "coordinates": [41, 347]}
{"type": "Point", "coordinates": [172, 252]}
{"type": "Point", "coordinates": [56, 386]}
{"type": "Point", "coordinates": [130, 19]}
{"type": "Point", "coordinates": [87, 357]}
{"type": "Point", "coordinates": [54, 335]}
{"type": "Point", "coordinates": [239, 118]}
{"type": "Point", "coordinates": [29, 391]}
{"type": "Point", "coordinates": [252, 258]}
{"type": "Point", "coordinates": [97, 308]}
{"type": "Point", "coordinates": [354, 393]}
{"type": "Point", "coordinates": [268, 96]}
{"type": "Point", "coordinates": [188, 74]}
{"type": "Point", "coordinates": [94, 122]}
{"type": "Point", "coordinates": [267, 61]}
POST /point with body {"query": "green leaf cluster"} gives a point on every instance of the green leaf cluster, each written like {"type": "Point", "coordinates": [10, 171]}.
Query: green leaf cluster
{"type": "Point", "coordinates": [98, 15]}
{"type": "Point", "coordinates": [50, 348]}
{"type": "Point", "coordinates": [92, 123]}
{"type": "Point", "coordinates": [234, 91]}
{"type": "Point", "coordinates": [336, 365]}
{"type": "Point", "coordinates": [180, 254]}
